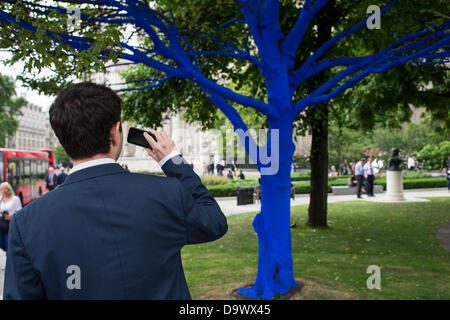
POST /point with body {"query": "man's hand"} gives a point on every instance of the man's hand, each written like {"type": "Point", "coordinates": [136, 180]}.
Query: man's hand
{"type": "Point", "coordinates": [162, 147]}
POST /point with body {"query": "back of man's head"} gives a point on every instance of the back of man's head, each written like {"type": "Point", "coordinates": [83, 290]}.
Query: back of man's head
{"type": "Point", "coordinates": [82, 117]}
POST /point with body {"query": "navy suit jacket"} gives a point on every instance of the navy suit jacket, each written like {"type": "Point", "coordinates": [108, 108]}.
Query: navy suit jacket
{"type": "Point", "coordinates": [106, 233]}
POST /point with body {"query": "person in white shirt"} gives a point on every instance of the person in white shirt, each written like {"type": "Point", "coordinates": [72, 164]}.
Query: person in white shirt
{"type": "Point", "coordinates": [380, 164]}
{"type": "Point", "coordinates": [359, 173]}
{"type": "Point", "coordinates": [369, 174]}
{"type": "Point", "coordinates": [9, 205]}
{"type": "Point", "coordinates": [411, 163]}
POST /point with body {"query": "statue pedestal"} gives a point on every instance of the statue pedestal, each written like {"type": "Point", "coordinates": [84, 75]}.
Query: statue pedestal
{"type": "Point", "coordinates": [394, 186]}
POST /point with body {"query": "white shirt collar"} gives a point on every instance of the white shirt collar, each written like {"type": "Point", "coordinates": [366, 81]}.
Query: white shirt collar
{"type": "Point", "coordinates": [91, 163]}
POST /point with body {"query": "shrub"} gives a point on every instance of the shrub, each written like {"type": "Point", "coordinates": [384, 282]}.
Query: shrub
{"type": "Point", "coordinates": [299, 178]}
{"type": "Point", "coordinates": [425, 183]}
{"type": "Point", "coordinates": [415, 175]}
{"type": "Point", "coordinates": [418, 183]}
{"type": "Point", "coordinates": [214, 180]}
{"type": "Point", "coordinates": [226, 190]}
{"type": "Point", "coordinates": [302, 162]}
{"type": "Point", "coordinates": [433, 154]}
{"type": "Point", "coordinates": [306, 176]}
{"type": "Point", "coordinates": [304, 187]}
{"type": "Point", "coordinates": [229, 190]}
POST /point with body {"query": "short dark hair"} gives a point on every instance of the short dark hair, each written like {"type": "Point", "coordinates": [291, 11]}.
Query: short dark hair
{"type": "Point", "coordinates": [82, 117]}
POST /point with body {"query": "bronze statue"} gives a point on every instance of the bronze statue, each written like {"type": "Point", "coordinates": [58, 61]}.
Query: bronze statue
{"type": "Point", "coordinates": [395, 161]}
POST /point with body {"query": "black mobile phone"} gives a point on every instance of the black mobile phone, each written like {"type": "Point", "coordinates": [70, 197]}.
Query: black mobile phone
{"type": "Point", "coordinates": [136, 136]}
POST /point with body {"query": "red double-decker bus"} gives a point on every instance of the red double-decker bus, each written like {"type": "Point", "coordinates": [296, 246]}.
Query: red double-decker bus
{"type": "Point", "coordinates": [25, 171]}
{"type": "Point", "coordinates": [51, 159]}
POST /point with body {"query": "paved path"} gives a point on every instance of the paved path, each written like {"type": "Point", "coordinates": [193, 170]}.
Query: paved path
{"type": "Point", "coordinates": [229, 204]}
{"type": "Point", "coordinates": [443, 235]}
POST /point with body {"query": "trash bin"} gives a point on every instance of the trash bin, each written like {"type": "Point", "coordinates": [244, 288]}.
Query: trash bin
{"type": "Point", "coordinates": [244, 195]}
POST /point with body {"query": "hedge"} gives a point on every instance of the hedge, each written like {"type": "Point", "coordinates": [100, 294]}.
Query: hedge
{"type": "Point", "coordinates": [418, 183]}
{"type": "Point", "coordinates": [224, 190]}
{"type": "Point", "coordinates": [229, 190]}
{"type": "Point", "coordinates": [307, 178]}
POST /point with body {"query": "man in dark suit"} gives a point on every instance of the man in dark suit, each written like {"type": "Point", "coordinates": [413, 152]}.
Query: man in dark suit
{"type": "Point", "coordinates": [51, 179]}
{"type": "Point", "coordinates": [359, 173]}
{"type": "Point", "coordinates": [62, 176]}
{"type": "Point", "coordinates": [106, 233]}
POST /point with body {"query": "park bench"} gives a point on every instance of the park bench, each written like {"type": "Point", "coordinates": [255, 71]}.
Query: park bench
{"type": "Point", "coordinates": [347, 190]}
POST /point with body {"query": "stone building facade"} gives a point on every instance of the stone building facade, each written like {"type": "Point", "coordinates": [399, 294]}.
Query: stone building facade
{"type": "Point", "coordinates": [34, 130]}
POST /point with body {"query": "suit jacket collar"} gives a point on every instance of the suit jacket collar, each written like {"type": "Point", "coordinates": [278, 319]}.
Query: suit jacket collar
{"type": "Point", "coordinates": [94, 172]}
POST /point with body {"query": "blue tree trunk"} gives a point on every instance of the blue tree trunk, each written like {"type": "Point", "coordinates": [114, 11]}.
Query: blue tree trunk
{"type": "Point", "coordinates": [272, 224]}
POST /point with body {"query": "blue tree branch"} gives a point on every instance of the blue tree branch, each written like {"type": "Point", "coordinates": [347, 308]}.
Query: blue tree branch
{"type": "Point", "coordinates": [400, 46]}
{"type": "Point", "coordinates": [378, 65]}
{"type": "Point", "coordinates": [235, 51]}
{"type": "Point", "coordinates": [236, 121]}
{"type": "Point", "coordinates": [299, 77]}
{"type": "Point", "coordinates": [295, 36]}
{"type": "Point", "coordinates": [154, 83]}
{"type": "Point", "coordinates": [251, 9]}
{"type": "Point", "coordinates": [338, 37]}
{"type": "Point", "coordinates": [225, 24]}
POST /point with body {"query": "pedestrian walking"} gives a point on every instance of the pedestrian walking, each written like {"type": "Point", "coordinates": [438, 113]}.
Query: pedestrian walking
{"type": "Point", "coordinates": [369, 174]}
{"type": "Point", "coordinates": [448, 179]}
{"type": "Point", "coordinates": [343, 168]}
{"type": "Point", "coordinates": [9, 205]}
{"type": "Point", "coordinates": [411, 163]}
{"type": "Point", "coordinates": [218, 166]}
{"type": "Point", "coordinates": [359, 173]}
{"type": "Point", "coordinates": [51, 179]}
{"type": "Point", "coordinates": [62, 176]}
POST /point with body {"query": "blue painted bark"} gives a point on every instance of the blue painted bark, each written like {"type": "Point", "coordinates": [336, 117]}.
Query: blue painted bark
{"type": "Point", "coordinates": [173, 55]}
{"type": "Point", "coordinates": [272, 224]}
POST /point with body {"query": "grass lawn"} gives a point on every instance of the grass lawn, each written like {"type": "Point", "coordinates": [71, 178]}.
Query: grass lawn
{"type": "Point", "coordinates": [399, 238]}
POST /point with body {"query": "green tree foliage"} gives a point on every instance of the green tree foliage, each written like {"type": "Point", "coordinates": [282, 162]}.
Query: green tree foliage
{"type": "Point", "coordinates": [60, 154]}
{"type": "Point", "coordinates": [350, 144]}
{"type": "Point", "coordinates": [386, 99]}
{"type": "Point", "coordinates": [434, 154]}
{"type": "Point", "coordinates": [9, 108]}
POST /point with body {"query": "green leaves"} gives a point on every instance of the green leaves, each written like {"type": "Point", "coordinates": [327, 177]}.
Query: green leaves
{"type": "Point", "coordinates": [45, 40]}
{"type": "Point", "coordinates": [9, 108]}
{"type": "Point", "coordinates": [61, 155]}
{"type": "Point", "coordinates": [434, 154]}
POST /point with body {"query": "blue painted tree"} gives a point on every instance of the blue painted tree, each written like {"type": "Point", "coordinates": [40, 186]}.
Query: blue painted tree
{"type": "Point", "coordinates": [40, 36]}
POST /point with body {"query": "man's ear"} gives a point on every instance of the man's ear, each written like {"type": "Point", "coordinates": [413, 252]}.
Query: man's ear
{"type": "Point", "coordinates": [115, 133]}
